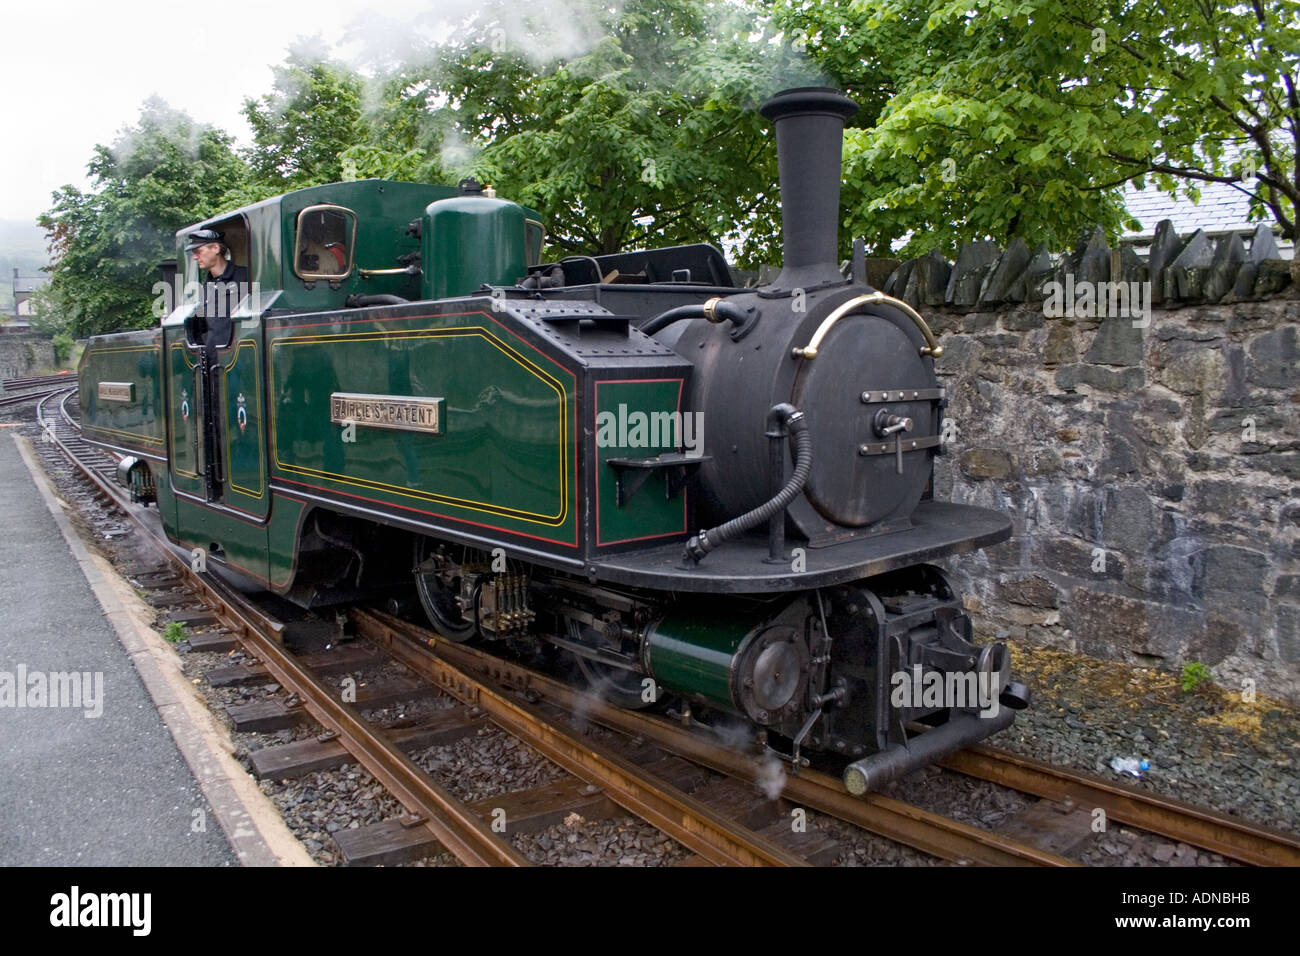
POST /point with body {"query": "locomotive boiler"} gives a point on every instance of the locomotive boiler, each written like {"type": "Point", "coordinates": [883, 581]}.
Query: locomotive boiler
{"type": "Point", "coordinates": [712, 500]}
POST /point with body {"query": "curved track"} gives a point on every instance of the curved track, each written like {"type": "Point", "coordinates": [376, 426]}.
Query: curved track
{"type": "Point", "coordinates": [27, 396]}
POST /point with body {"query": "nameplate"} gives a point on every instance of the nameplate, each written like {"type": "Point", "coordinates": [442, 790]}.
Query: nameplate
{"type": "Point", "coordinates": [117, 391]}
{"type": "Point", "coordinates": [387, 411]}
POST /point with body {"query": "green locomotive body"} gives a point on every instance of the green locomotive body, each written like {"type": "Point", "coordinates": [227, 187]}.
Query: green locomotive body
{"type": "Point", "coordinates": [408, 395]}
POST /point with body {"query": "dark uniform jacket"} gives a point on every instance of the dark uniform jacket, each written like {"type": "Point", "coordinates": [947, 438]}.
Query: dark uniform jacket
{"type": "Point", "coordinates": [221, 295]}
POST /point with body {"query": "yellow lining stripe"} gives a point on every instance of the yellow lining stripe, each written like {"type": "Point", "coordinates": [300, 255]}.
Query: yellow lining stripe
{"type": "Point", "coordinates": [453, 332]}
{"type": "Point", "coordinates": [115, 431]}
{"type": "Point", "coordinates": [178, 347]}
{"type": "Point", "coordinates": [261, 465]}
{"type": "Point", "coordinates": [125, 348]}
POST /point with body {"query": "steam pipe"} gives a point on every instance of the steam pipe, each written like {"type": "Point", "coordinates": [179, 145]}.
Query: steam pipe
{"type": "Point", "coordinates": [777, 431]}
{"type": "Point", "coordinates": [715, 310]}
{"type": "Point", "coordinates": [704, 542]}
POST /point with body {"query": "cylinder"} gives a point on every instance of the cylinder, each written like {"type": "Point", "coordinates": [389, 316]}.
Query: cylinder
{"type": "Point", "coordinates": [750, 659]}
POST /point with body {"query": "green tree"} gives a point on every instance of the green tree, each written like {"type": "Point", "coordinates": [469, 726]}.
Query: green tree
{"type": "Point", "coordinates": [403, 135]}
{"type": "Point", "coordinates": [642, 132]}
{"type": "Point", "coordinates": [158, 176]}
{"type": "Point", "coordinates": [303, 127]}
{"type": "Point", "coordinates": [1197, 92]}
{"type": "Point", "coordinates": [1025, 117]}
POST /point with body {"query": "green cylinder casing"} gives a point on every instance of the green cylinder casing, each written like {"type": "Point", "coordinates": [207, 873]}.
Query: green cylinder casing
{"type": "Point", "coordinates": [467, 241]}
{"type": "Point", "coordinates": [691, 651]}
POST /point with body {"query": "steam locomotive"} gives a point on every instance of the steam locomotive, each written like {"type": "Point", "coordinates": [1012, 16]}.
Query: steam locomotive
{"type": "Point", "coordinates": [710, 498]}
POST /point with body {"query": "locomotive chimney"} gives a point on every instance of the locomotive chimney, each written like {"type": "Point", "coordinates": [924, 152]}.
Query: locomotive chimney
{"type": "Point", "coordinates": [809, 144]}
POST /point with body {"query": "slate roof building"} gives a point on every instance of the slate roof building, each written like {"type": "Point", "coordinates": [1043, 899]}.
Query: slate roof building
{"type": "Point", "coordinates": [1222, 210]}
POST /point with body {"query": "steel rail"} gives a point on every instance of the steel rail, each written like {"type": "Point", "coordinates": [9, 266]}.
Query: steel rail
{"type": "Point", "coordinates": [688, 821]}
{"type": "Point", "coordinates": [450, 821]}
{"type": "Point", "coordinates": [26, 397]}
{"type": "Point", "coordinates": [893, 819]}
{"type": "Point", "coordinates": [33, 380]}
{"type": "Point", "coordinates": [446, 818]}
{"type": "Point", "coordinates": [1212, 830]}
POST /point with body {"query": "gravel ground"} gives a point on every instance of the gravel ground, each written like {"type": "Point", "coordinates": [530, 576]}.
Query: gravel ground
{"type": "Point", "coordinates": [866, 849]}
{"type": "Point", "coordinates": [487, 764]}
{"type": "Point", "coordinates": [1206, 746]}
{"type": "Point", "coordinates": [977, 802]}
{"type": "Point", "coordinates": [623, 841]}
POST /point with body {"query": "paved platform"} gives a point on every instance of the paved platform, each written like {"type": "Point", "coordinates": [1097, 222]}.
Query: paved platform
{"type": "Point", "coordinates": [97, 784]}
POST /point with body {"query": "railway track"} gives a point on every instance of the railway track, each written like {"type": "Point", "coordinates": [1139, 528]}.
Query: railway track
{"type": "Point", "coordinates": [65, 378]}
{"type": "Point", "coordinates": [947, 839]}
{"type": "Point", "coordinates": [540, 710]}
{"type": "Point", "coordinates": [1230, 836]}
{"type": "Point", "coordinates": [27, 396]}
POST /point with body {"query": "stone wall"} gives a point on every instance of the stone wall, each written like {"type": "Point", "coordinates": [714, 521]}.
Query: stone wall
{"type": "Point", "coordinates": [1151, 470]}
{"type": "Point", "coordinates": [1152, 475]}
{"type": "Point", "coordinates": [23, 354]}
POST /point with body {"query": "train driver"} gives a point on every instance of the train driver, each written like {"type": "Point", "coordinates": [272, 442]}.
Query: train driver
{"type": "Point", "coordinates": [225, 286]}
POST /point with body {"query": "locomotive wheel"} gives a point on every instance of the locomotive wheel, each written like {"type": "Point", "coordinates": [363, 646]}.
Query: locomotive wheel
{"type": "Point", "coordinates": [442, 610]}
{"type": "Point", "coordinates": [440, 605]}
{"type": "Point", "coordinates": [616, 685]}
{"type": "Point", "coordinates": [619, 686]}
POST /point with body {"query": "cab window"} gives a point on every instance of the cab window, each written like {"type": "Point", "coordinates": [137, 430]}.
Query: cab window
{"type": "Point", "coordinates": [533, 236]}
{"type": "Point", "coordinates": [324, 244]}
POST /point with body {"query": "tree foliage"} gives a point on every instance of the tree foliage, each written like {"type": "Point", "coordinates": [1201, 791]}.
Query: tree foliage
{"type": "Point", "coordinates": [1024, 117]}
{"type": "Point", "coordinates": [158, 176]}
{"type": "Point", "coordinates": [303, 127]}
{"type": "Point", "coordinates": [405, 129]}
{"type": "Point", "coordinates": [634, 125]}
{"type": "Point", "coordinates": [646, 137]}
{"type": "Point", "coordinates": [1204, 92]}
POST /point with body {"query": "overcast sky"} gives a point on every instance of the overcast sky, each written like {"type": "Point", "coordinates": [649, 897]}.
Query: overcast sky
{"type": "Point", "coordinates": [75, 72]}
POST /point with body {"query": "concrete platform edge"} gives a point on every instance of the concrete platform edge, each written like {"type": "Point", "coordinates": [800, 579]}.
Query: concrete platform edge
{"type": "Point", "coordinates": [252, 825]}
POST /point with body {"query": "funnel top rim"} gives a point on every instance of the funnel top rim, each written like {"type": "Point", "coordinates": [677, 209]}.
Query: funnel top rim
{"type": "Point", "coordinates": [803, 100]}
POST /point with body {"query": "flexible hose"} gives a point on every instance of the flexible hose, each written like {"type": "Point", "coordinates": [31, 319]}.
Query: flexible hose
{"type": "Point", "coordinates": [704, 542]}
{"type": "Point", "coordinates": [722, 311]}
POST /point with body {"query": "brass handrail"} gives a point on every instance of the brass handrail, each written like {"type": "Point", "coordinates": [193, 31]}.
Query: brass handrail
{"type": "Point", "coordinates": [410, 270]}
{"type": "Point", "coordinates": [931, 347]}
